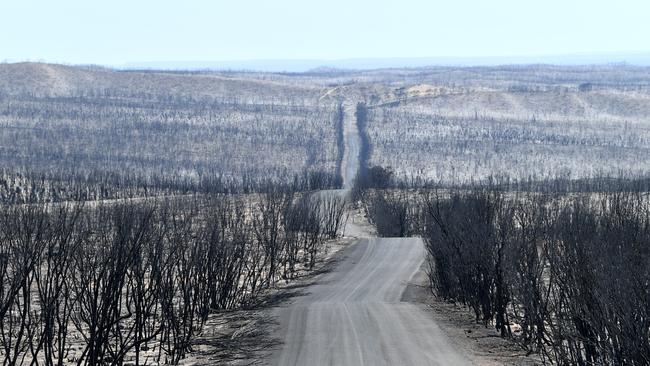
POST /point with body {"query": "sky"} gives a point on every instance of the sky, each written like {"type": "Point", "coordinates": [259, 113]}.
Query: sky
{"type": "Point", "coordinates": [121, 31]}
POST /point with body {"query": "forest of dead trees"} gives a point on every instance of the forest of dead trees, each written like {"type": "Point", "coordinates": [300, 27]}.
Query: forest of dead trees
{"type": "Point", "coordinates": [134, 281]}
{"type": "Point", "coordinates": [117, 144]}
{"type": "Point", "coordinates": [467, 134]}
{"type": "Point", "coordinates": [533, 210]}
{"type": "Point", "coordinates": [559, 263]}
{"type": "Point", "coordinates": [135, 204]}
{"type": "Point", "coordinates": [567, 276]}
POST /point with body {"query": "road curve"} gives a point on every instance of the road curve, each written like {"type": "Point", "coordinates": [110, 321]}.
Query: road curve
{"type": "Point", "coordinates": [353, 315]}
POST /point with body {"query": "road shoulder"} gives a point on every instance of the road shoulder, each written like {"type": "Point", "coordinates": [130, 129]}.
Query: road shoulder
{"type": "Point", "coordinates": [481, 345]}
{"type": "Point", "coordinates": [247, 336]}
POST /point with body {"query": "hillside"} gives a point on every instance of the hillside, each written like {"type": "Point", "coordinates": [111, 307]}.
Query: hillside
{"type": "Point", "coordinates": [148, 131]}
{"type": "Point", "coordinates": [443, 124]}
{"type": "Point", "coordinates": [573, 124]}
{"type": "Point", "coordinates": [60, 80]}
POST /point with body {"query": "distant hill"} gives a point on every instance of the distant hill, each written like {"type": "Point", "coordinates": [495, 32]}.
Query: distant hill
{"type": "Point", "coordinates": [52, 79]}
{"type": "Point", "coordinates": [638, 59]}
{"type": "Point", "coordinates": [121, 132]}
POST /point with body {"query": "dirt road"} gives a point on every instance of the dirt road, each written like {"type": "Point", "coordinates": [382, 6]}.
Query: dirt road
{"type": "Point", "coordinates": [350, 163]}
{"type": "Point", "coordinates": [354, 316]}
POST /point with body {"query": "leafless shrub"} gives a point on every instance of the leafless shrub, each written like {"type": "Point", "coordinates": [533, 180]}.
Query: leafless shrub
{"type": "Point", "coordinates": [135, 281]}
{"type": "Point", "coordinates": [565, 276]}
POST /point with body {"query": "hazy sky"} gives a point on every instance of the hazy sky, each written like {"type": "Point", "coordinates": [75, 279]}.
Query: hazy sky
{"type": "Point", "coordinates": [118, 31]}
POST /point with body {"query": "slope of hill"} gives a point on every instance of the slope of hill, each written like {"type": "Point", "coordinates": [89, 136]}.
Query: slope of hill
{"type": "Point", "coordinates": [171, 130]}
{"type": "Point", "coordinates": [465, 134]}
{"type": "Point", "coordinates": [60, 80]}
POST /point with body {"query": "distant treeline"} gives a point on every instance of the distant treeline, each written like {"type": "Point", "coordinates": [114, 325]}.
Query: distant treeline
{"type": "Point", "coordinates": [384, 177]}
{"type": "Point", "coordinates": [92, 185]}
